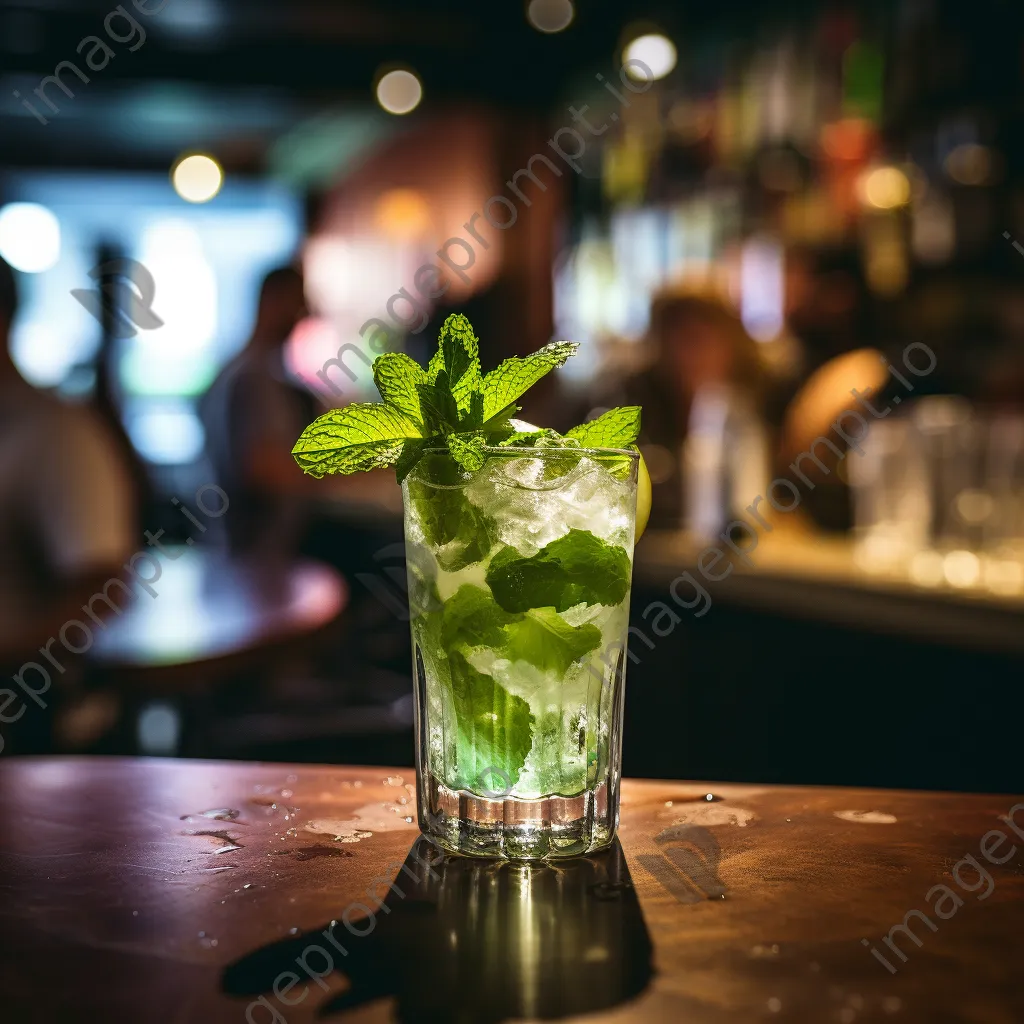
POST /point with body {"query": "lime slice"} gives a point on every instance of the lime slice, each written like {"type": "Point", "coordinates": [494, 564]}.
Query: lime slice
{"type": "Point", "coordinates": [643, 498]}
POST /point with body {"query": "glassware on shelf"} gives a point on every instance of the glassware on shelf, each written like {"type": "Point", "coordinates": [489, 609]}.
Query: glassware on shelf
{"type": "Point", "coordinates": [892, 509]}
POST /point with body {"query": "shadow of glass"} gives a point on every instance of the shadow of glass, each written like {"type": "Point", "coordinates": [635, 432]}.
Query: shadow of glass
{"type": "Point", "coordinates": [477, 942]}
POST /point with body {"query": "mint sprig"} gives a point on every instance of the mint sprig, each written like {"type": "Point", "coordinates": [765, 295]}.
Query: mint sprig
{"type": "Point", "coordinates": [450, 405]}
{"type": "Point", "coordinates": [515, 376]}
{"type": "Point", "coordinates": [399, 379]}
{"type": "Point", "coordinates": [617, 428]}
{"type": "Point", "coordinates": [361, 436]}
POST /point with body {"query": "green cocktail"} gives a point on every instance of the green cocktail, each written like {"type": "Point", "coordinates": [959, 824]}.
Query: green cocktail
{"type": "Point", "coordinates": [519, 546]}
{"type": "Point", "coordinates": [519, 586]}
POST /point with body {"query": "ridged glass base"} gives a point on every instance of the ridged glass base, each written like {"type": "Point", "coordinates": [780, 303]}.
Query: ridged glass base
{"type": "Point", "coordinates": [546, 828]}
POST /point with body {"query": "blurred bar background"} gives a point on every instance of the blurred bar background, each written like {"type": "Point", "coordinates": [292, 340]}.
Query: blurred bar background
{"type": "Point", "coordinates": [744, 212]}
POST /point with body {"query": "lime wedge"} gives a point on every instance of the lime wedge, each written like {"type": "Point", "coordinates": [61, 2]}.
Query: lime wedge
{"type": "Point", "coordinates": [643, 498]}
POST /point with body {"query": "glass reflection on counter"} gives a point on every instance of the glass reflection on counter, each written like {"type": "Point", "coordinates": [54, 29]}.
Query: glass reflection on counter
{"type": "Point", "coordinates": [480, 942]}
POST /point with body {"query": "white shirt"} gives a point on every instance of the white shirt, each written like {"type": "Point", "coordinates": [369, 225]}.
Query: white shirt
{"type": "Point", "coordinates": [66, 499]}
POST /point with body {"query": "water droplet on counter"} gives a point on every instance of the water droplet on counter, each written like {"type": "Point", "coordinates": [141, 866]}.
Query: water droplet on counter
{"type": "Point", "coordinates": [215, 813]}
{"type": "Point", "coordinates": [774, 1004]}
{"type": "Point", "coordinates": [867, 817]}
{"type": "Point", "coordinates": [292, 778]}
{"type": "Point", "coordinates": [225, 837]}
{"type": "Point", "coordinates": [293, 931]}
{"type": "Point", "coordinates": [694, 798]}
{"type": "Point", "coordinates": [286, 793]}
{"type": "Point", "coordinates": [408, 818]}
{"type": "Point", "coordinates": [135, 913]}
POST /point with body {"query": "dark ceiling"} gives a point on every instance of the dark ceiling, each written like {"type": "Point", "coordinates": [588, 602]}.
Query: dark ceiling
{"type": "Point", "coordinates": [241, 73]}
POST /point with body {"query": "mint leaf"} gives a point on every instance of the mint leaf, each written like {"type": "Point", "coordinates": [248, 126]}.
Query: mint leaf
{"type": "Point", "coordinates": [411, 452]}
{"type": "Point", "coordinates": [523, 439]}
{"type": "Point", "coordinates": [473, 418]}
{"type": "Point", "coordinates": [502, 423]}
{"type": "Point", "coordinates": [458, 358]}
{"type": "Point", "coordinates": [467, 449]}
{"type": "Point", "coordinates": [544, 639]}
{"type": "Point", "coordinates": [397, 376]}
{"type": "Point", "coordinates": [360, 436]}
{"type": "Point", "coordinates": [440, 413]}
{"type": "Point", "coordinates": [617, 428]}
{"type": "Point", "coordinates": [495, 727]}
{"type": "Point", "coordinates": [515, 376]}
{"type": "Point", "coordinates": [473, 618]}
{"type": "Point", "coordinates": [578, 568]}
{"type": "Point", "coordinates": [459, 532]}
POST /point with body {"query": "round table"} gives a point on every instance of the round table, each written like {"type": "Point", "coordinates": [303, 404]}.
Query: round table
{"type": "Point", "coordinates": [209, 615]}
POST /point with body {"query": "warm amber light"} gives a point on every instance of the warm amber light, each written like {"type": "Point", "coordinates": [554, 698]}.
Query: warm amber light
{"type": "Point", "coordinates": [403, 213]}
{"type": "Point", "coordinates": [655, 51]}
{"type": "Point", "coordinates": [884, 188]}
{"type": "Point", "coordinates": [399, 92]}
{"type": "Point", "coordinates": [550, 15]}
{"type": "Point", "coordinates": [846, 140]}
{"type": "Point", "coordinates": [969, 164]}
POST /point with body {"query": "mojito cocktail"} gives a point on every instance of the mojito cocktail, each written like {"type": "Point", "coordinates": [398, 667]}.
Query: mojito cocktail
{"type": "Point", "coordinates": [519, 544]}
{"type": "Point", "coordinates": [519, 579]}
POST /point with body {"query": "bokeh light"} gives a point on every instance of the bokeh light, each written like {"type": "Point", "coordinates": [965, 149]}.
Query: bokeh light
{"type": "Point", "coordinates": [29, 237]}
{"type": "Point", "coordinates": [658, 52]}
{"type": "Point", "coordinates": [884, 188]}
{"type": "Point", "coordinates": [970, 164]}
{"type": "Point", "coordinates": [399, 92]}
{"type": "Point", "coordinates": [403, 214]}
{"type": "Point", "coordinates": [550, 15]}
{"type": "Point", "coordinates": [197, 178]}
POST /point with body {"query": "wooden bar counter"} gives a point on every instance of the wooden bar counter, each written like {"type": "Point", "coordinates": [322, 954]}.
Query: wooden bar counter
{"type": "Point", "coordinates": [169, 892]}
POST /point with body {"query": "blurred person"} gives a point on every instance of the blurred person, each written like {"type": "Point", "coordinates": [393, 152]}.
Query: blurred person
{"type": "Point", "coordinates": [253, 416]}
{"type": "Point", "coordinates": [828, 303]}
{"type": "Point", "coordinates": [118, 305]}
{"type": "Point", "coordinates": [702, 435]}
{"type": "Point", "coordinates": [829, 311]}
{"type": "Point", "coordinates": [106, 403]}
{"type": "Point", "coordinates": [67, 521]}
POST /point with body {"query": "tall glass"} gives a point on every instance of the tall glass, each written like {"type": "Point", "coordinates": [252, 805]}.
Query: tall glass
{"type": "Point", "coordinates": [519, 577]}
